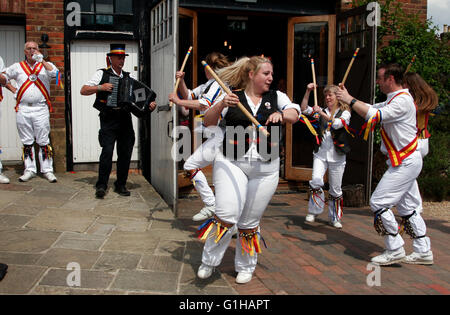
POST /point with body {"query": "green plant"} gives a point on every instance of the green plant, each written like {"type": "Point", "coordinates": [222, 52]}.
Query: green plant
{"type": "Point", "coordinates": [400, 37]}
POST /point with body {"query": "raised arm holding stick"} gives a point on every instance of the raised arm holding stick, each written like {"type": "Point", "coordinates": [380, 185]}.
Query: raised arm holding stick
{"type": "Point", "coordinates": [182, 68]}
{"type": "Point", "coordinates": [241, 107]}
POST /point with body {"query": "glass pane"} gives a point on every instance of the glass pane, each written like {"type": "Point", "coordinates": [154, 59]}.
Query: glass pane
{"type": "Point", "coordinates": [87, 19]}
{"type": "Point", "coordinates": [86, 5]}
{"type": "Point", "coordinates": [350, 24]}
{"type": "Point", "coordinates": [104, 6]}
{"type": "Point", "coordinates": [124, 22]}
{"type": "Point", "coordinates": [124, 6]}
{"type": "Point", "coordinates": [104, 19]}
{"type": "Point", "coordinates": [310, 41]}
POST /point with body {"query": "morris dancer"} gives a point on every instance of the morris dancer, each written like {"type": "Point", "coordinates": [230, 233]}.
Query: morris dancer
{"type": "Point", "coordinates": [246, 180]}
{"type": "Point", "coordinates": [329, 154]}
{"type": "Point", "coordinates": [201, 98]}
{"type": "Point", "coordinates": [33, 76]}
{"type": "Point", "coordinates": [397, 116]}
{"type": "Point", "coordinates": [426, 100]}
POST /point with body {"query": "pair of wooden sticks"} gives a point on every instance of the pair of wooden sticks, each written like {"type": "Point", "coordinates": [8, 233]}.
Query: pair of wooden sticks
{"type": "Point", "coordinates": [343, 80]}
{"type": "Point", "coordinates": [226, 89]}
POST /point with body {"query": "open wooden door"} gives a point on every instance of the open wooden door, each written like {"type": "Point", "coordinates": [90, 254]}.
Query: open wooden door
{"type": "Point", "coordinates": [164, 50]}
{"type": "Point", "coordinates": [187, 36]}
{"type": "Point", "coordinates": [308, 37]}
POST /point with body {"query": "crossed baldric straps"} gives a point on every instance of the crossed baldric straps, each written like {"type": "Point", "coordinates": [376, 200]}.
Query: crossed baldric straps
{"type": "Point", "coordinates": [33, 79]}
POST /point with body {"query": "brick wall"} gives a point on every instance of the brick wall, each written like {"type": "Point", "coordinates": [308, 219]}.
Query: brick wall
{"type": "Point", "coordinates": [409, 7]}
{"type": "Point", "coordinates": [12, 6]}
{"type": "Point", "coordinates": [47, 16]}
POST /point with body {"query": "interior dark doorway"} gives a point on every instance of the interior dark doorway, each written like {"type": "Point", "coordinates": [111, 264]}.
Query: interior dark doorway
{"type": "Point", "coordinates": [237, 35]}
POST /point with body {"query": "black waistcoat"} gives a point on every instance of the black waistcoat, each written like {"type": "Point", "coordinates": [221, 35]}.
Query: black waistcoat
{"type": "Point", "coordinates": [241, 142]}
{"type": "Point", "coordinates": [340, 136]}
{"type": "Point", "coordinates": [102, 96]}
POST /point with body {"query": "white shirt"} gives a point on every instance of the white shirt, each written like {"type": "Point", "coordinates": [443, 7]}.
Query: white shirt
{"type": "Point", "coordinates": [283, 103]}
{"type": "Point", "coordinates": [2, 65]}
{"type": "Point", "coordinates": [398, 118]}
{"type": "Point", "coordinates": [327, 151]}
{"type": "Point", "coordinates": [97, 77]}
{"type": "Point", "coordinates": [214, 95]}
{"type": "Point", "coordinates": [32, 94]}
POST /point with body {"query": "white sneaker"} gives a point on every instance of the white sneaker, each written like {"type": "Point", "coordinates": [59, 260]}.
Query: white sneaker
{"type": "Point", "coordinates": [204, 214]}
{"type": "Point", "coordinates": [205, 271]}
{"type": "Point", "coordinates": [419, 259]}
{"type": "Point", "coordinates": [27, 176]}
{"type": "Point", "coordinates": [50, 177]}
{"type": "Point", "coordinates": [390, 257]}
{"type": "Point", "coordinates": [310, 218]}
{"type": "Point", "coordinates": [336, 224]}
{"type": "Point", "coordinates": [244, 277]}
{"type": "Point", "coordinates": [3, 179]}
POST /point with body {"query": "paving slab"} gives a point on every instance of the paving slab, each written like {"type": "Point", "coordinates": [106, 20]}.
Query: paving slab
{"type": "Point", "coordinates": [20, 279]}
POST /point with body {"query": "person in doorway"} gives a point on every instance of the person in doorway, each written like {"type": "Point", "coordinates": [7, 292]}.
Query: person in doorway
{"type": "Point", "coordinates": [329, 154]}
{"type": "Point", "coordinates": [115, 124]}
{"type": "Point", "coordinates": [201, 98]}
{"type": "Point", "coordinates": [33, 76]}
{"type": "Point", "coordinates": [397, 116]}
{"type": "Point", "coordinates": [245, 176]}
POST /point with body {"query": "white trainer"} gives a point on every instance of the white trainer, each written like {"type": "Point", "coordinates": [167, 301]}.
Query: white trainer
{"type": "Point", "coordinates": [50, 177]}
{"type": "Point", "coordinates": [310, 218]}
{"type": "Point", "coordinates": [3, 179]}
{"type": "Point", "coordinates": [420, 258]}
{"type": "Point", "coordinates": [244, 277]}
{"type": "Point", "coordinates": [204, 214]}
{"type": "Point", "coordinates": [390, 257]}
{"type": "Point", "coordinates": [205, 271]}
{"type": "Point", "coordinates": [336, 224]}
{"type": "Point", "coordinates": [27, 176]}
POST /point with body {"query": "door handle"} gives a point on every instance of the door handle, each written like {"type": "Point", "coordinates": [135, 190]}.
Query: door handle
{"type": "Point", "coordinates": [163, 108]}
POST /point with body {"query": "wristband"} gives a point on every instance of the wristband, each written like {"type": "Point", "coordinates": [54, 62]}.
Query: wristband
{"type": "Point", "coordinates": [352, 102]}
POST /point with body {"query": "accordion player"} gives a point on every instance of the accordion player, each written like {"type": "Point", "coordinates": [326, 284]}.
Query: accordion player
{"type": "Point", "coordinates": [127, 94]}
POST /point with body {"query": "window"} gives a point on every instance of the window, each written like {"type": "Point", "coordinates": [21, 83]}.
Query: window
{"type": "Point", "coordinates": [162, 16]}
{"type": "Point", "coordinates": [107, 14]}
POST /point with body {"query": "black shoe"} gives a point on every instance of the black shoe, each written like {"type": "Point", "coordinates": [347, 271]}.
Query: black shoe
{"type": "Point", "coordinates": [121, 190]}
{"type": "Point", "coordinates": [100, 192]}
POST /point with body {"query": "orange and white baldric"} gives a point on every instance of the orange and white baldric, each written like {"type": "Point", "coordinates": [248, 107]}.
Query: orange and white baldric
{"type": "Point", "coordinates": [397, 156]}
{"type": "Point", "coordinates": [33, 78]}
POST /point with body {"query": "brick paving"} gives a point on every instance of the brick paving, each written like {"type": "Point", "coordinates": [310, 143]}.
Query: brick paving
{"type": "Point", "coordinates": [135, 245]}
{"type": "Point", "coordinates": [315, 258]}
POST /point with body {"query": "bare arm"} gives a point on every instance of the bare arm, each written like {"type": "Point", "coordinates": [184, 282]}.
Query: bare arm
{"type": "Point", "coordinates": [89, 90]}
{"type": "Point", "coordinates": [359, 107]}
{"type": "Point", "coordinates": [193, 104]}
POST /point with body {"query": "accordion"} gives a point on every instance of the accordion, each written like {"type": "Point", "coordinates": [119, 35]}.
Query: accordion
{"type": "Point", "coordinates": [130, 95]}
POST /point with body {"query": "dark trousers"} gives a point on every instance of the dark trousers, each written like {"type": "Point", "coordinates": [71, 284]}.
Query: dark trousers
{"type": "Point", "coordinates": [115, 127]}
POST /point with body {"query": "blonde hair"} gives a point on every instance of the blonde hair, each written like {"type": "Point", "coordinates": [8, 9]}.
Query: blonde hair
{"type": "Point", "coordinates": [331, 88]}
{"type": "Point", "coordinates": [236, 75]}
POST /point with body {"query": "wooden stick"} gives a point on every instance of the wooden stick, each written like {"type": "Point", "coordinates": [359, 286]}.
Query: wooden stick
{"type": "Point", "coordinates": [314, 81]}
{"type": "Point", "coordinates": [410, 64]}
{"type": "Point", "coordinates": [350, 66]}
{"type": "Point", "coordinates": [241, 107]}
{"type": "Point", "coordinates": [182, 68]}
{"type": "Point", "coordinates": [343, 81]}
